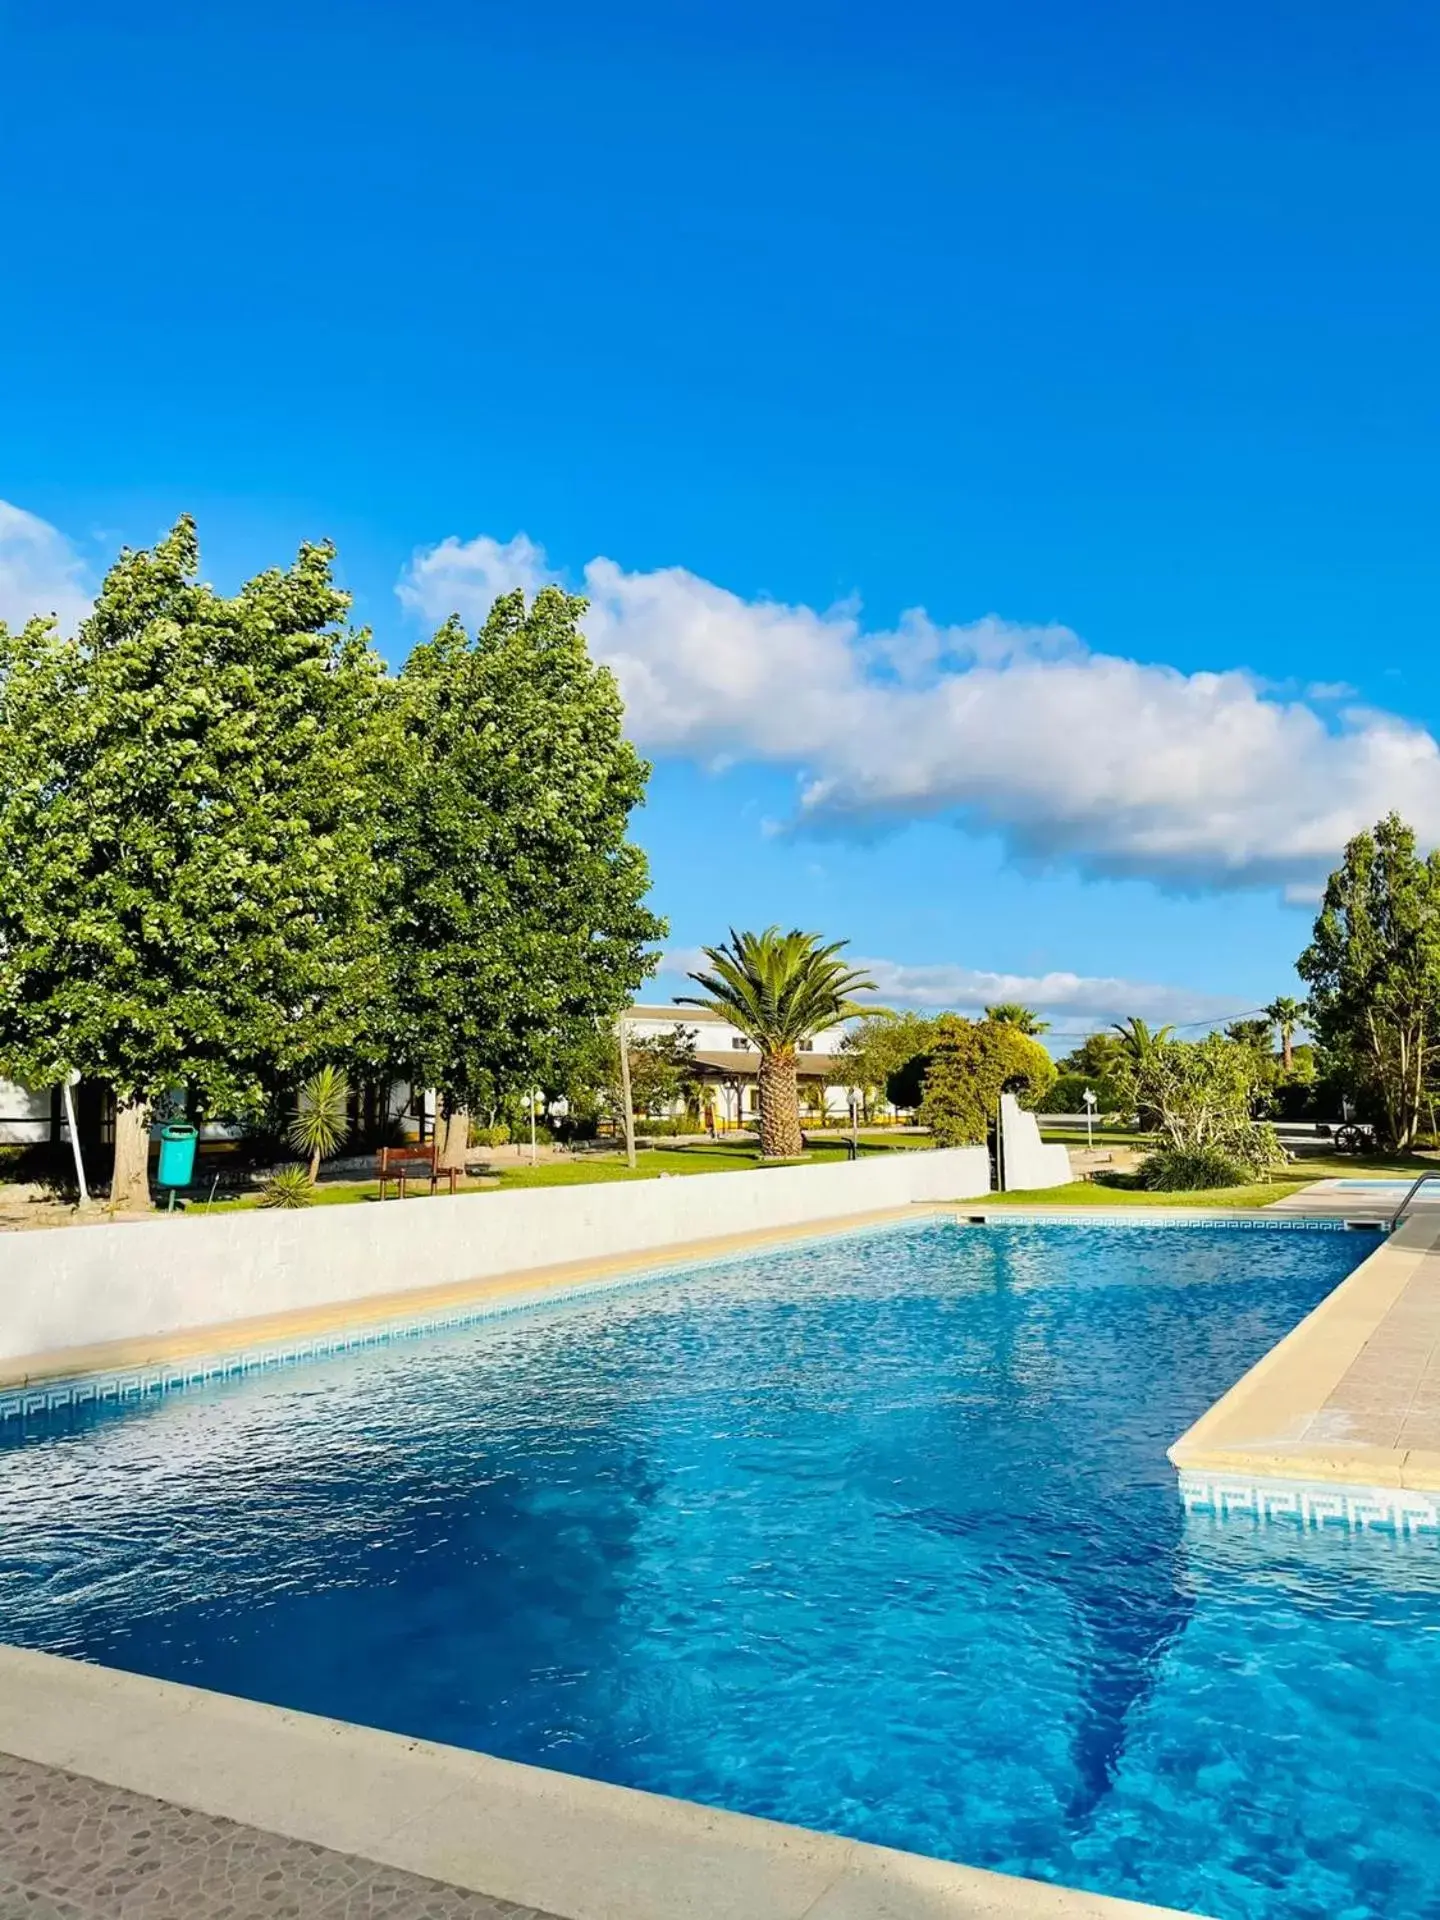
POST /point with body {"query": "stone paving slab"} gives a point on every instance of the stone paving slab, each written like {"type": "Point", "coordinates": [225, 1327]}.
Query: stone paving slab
{"type": "Point", "coordinates": [72, 1848]}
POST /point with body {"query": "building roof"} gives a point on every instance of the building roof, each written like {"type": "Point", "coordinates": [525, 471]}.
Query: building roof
{"type": "Point", "coordinates": [744, 1064]}
{"type": "Point", "coordinates": [687, 1016]}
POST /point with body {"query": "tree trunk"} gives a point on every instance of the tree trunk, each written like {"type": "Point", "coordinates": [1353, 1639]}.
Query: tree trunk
{"type": "Point", "coordinates": [780, 1136]}
{"type": "Point", "coordinates": [130, 1182]}
{"type": "Point", "coordinates": [315, 1167]}
{"type": "Point", "coordinates": [1287, 1056]}
{"type": "Point", "coordinates": [452, 1136]}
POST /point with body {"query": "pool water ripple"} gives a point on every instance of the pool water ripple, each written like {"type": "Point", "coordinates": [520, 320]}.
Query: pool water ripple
{"type": "Point", "coordinates": [877, 1536]}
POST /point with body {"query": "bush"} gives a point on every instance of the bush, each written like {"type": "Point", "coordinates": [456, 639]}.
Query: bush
{"type": "Point", "coordinates": [665, 1129]}
{"type": "Point", "coordinates": [288, 1187]}
{"type": "Point", "coordinates": [974, 1061]}
{"type": "Point", "coordinates": [493, 1136]}
{"type": "Point", "coordinates": [1186, 1170]}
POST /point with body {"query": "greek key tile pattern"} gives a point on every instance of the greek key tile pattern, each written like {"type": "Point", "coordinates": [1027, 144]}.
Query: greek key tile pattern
{"type": "Point", "coordinates": [1155, 1218]}
{"type": "Point", "coordinates": [1310, 1503]}
{"type": "Point", "coordinates": [74, 1849]}
{"type": "Point", "coordinates": [133, 1383]}
{"type": "Point", "coordinates": [49, 1396]}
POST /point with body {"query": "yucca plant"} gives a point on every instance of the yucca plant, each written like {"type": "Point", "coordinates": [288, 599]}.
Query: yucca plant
{"type": "Point", "coordinates": [288, 1187]}
{"type": "Point", "coordinates": [320, 1123]}
{"type": "Point", "coordinates": [779, 989]}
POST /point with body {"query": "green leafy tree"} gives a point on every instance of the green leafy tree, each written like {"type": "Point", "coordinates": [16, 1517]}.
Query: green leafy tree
{"type": "Point", "coordinates": [189, 891]}
{"type": "Point", "coordinates": [1067, 1095]}
{"type": "Point", "coordinates": [1258, 1035]}
{"type": "Point", "coordinates": [319, 1123]}
{"type": "Point", "coordinates": [664, 1068]}
{"type": "Point", "coordinates": [1203, 1094]}
{"type": "Point", "coordinates": [1011, 1013]}
{"type": "Point", "coordinates": [1373, 969]}
{"type": "Point", "coordinates": [1098, 1056]}
{"type": "Point", "coordinates": [1285, 1015]}
{"type": "Point", "coordinates": [519, 924]}
{"type": "Point", "coordinates": [779, 989]}
{"type": "Point", "coordinates": [880, 1046]}
{"type": "Point", "coordinates": [972, 1063]}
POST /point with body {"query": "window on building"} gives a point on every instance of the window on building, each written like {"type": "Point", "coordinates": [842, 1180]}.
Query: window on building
{"type": "Point", "coordinates": [807, 1046]}
{"type": "Point", "coordinates": [740, 1044]}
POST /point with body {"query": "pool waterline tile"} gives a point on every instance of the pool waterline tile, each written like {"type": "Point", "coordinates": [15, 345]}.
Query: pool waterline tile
{"type": "Point", "coordinates": [352, 1327]}
{"type": "Point", "coordinates": [1342, 1417]}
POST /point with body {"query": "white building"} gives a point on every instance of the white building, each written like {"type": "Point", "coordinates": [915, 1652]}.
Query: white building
{"type": "Point", "coordinates": [729, 1066]}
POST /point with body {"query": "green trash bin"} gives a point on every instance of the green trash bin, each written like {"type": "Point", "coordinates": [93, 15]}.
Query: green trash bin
{"type": "Point", "coordinates": [177, 1156]}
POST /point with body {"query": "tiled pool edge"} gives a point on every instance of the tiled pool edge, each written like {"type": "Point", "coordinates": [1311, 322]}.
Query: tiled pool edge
{"type": "Point", "coordinates": [1231, 1497]}
{"type": "Point", "coordinates": [541, 1839]}
{"type": "Point", "coordinates": [1262, 1453]}
{"type": "Point", "coordinates": [48, 1383]}
{"type": "Point", "coordinates": [76, 1378]}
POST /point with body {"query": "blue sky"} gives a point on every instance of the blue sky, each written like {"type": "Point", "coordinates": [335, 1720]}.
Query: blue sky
{"type": "Point", "coordinates": [1103, 334]}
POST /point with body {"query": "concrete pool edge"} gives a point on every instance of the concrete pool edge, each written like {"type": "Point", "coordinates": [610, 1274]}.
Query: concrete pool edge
{"type": "Point", "coordinates": [556, 1841]}
{"type": "Point", "coordinates": [1323, 1427]}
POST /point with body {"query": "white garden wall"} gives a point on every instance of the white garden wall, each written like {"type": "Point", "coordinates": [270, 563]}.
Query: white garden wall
{"type": "Point", "coordinates": [78, 1286]}
{"type": "Point", "coordinates": [1026, 1160]}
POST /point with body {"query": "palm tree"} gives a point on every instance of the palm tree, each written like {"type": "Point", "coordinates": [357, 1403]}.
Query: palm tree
{"type": "Point", "coordinates": [1285, 1015]}
{"type": "Point", "coordinates": [1137, 1039]}
{"type": "Point", "coordinates": [1010, 1013]}
{"type": "Point", "coordinates": [320, 1121]}
{"type": "Point", "coordinates": [779, 989]}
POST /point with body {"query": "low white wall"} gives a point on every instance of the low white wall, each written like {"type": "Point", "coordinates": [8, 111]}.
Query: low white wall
{"type": "Point", "coordinates": [78, 1286]}
{"type": "Point", "coordinates": [1026, 1160]}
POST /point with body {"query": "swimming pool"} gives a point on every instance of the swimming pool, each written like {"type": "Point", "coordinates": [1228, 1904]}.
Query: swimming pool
{"type": "Point", "coordinates": [876, 1535]}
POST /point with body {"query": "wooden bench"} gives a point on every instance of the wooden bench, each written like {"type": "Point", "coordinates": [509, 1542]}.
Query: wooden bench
{"type": "Point", "coordinates": [413, 1161]}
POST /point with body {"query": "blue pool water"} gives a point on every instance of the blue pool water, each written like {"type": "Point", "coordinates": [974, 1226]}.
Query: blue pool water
{"type": "Point", "coordinates": [876, 1535]}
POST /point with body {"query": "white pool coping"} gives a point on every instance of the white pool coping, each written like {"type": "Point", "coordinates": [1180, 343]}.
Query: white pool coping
{"type": "Point", "coordinates": [568, 1845]}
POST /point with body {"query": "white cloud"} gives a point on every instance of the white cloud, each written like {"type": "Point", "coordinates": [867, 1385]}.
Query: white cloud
{"type": "Point", "coordinates": [1108, 764]}
{"type": "Point", "coordinates": [468, 576]}
{"type": "Point", "coordinates": [40, 572]}
{"type": "Point", "coordinates": [1067, 1000]}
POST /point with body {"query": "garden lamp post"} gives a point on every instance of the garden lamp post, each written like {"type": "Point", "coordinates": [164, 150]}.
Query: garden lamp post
{"type": "Point", "coordinates": [72, 1080]}
{"type": "Point", "coordinates": [1090, 1103]}
{"type": "Point", "coordinates": [625, 1093]}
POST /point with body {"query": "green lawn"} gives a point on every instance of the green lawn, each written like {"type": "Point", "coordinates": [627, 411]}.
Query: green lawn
{"type": "Point", "coordinates": [1088, 1193]}
{"type": "Point", "coordinates": [1297, 1174]}
{"type": "Point", "coordinates": [1104, 1136]}
{"type": "Point", "coordinates": [743, 1156]}
{"type": "Point", "coordinates": [586, 1168]}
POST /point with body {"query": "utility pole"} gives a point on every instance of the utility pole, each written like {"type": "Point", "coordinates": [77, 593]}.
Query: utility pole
{"type": "Point", "coordinates": [625, 1092]}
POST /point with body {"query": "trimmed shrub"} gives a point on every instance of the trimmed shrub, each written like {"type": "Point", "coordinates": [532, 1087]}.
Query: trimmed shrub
{"type": "Point", "coordinates": [1187, 1170]}
{"type": "Point", "coordinates": [494, 1136]}
{"type": "Point", "coordinates": [974, 1061]}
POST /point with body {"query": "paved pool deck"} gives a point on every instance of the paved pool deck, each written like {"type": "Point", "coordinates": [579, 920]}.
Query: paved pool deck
{"type": "Point", "coordinates": [1350, 1400]}
{"type": "Point", "coordinates": [121, 1795]}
